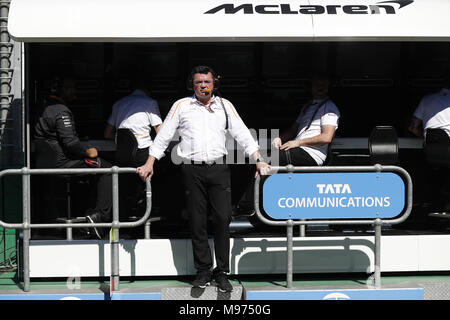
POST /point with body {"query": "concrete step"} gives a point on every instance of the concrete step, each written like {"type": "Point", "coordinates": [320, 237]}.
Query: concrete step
{"type": "Point", "coordinates": [209, 293]}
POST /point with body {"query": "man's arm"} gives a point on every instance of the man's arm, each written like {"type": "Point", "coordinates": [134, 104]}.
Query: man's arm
{"type": "Point", "coordinates": [415, 126]}
{"type": "Point", "coordinates": [325, 137]}
{"type": "Point", "coordinates": [242, 135]}
{"type": "Point", "coordinates": [286, 135]}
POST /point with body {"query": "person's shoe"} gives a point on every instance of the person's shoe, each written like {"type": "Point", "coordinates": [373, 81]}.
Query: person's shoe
{"type": "Point", "coordinates": [202, 280]}
{"type": "Point", "coordinates": [95, 218]}
{"type": "Point", "coordinates": [222, 282]}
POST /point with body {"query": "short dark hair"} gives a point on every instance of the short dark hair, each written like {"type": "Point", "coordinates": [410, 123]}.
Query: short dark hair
{"type": "Point", "coordinates": [203, 70]}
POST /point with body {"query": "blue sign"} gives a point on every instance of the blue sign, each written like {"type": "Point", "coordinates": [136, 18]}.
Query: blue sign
{"type": "Point", "coordinates": [346, 294]}
{"type": "Point", "coordinates": [334, 195]}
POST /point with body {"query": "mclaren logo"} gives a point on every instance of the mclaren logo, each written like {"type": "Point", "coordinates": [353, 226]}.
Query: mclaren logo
{"type": "Point", "coordinates": [382, 7]}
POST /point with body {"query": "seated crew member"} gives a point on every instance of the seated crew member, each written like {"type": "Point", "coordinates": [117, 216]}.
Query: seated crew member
{"type": "Point", "coordinates": [137, 112]}
{"type": "Point", "coordinates": [202, 121]}
{"type": "Point", "coordinates": [56, 125]}
{"type": "Point", "coordinates": [305, 142]}
{"type": "Point", "coordinates": [431, 120]}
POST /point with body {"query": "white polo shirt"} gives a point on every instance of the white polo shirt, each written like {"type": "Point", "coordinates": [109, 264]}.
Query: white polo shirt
{"type": "Point", "coordinates": [202, 130]}
{"type": "Point", "coordinates": [327, 114]}
{"type": "Point", "coordinates": [434, 111]}
{"type": "Point", "coordinates": [136, 112]}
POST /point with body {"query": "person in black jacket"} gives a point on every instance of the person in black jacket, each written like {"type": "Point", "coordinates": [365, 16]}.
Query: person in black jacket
{"type": "Point", "coordinates": [56, 125]}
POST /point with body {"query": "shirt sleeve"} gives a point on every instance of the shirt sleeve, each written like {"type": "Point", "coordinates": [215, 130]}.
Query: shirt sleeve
{"type": "Point", "coordinates": [330, 115]}
{"type": "Point", "coordinates": [239, 130]}
{"type": "Point", "coordinates": [166, 132]}
{"type": "Point", "coordinates": [155, 115]}
{"type": "Point", "coordinates": [65, 130]}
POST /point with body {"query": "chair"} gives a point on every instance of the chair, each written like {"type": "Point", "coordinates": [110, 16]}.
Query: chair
{"type": "Point", "coordinates": [437, 155]}
{"type": "Point", "coordinates": [383, 145]}
{"type": "Point", "coordinates": [45, 158]}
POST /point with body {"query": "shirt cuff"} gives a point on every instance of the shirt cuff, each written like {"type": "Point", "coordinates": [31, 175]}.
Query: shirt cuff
{"type": "Point", "coordinates": [251, 150]}
{"type": "Point", "coordinates": [155, 153]}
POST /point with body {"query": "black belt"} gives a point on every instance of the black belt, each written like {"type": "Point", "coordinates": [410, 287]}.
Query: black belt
{"type": "Point", "coordinates": [205, 163]}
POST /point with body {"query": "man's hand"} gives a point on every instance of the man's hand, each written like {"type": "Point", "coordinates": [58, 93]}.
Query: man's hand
{"type": "Point", "coordinates": [262, 168]}
{"type": "Point", "coordinates": [146, 171]}
{"type": "Point", "coordinates": [276, 143]}
{"type": "Point", "coordinates": [92, 153]}
{"type": "Point", "coordinates": [290, 144]}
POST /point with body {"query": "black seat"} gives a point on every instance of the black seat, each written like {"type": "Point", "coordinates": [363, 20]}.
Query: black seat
{"type": "Point", "coordinates": [383, 145]}
{"type": "Point", "coordinates": [437, 155]}
{"type": "Point", "coordinates": [127, 147]}
{"type": "Point", "coordinates": [45, 158]}
{"type": "Point", "coordinates": [437, 148]}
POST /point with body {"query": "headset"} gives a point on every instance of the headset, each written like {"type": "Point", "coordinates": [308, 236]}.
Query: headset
{"type": "Point", "coordinates": [204, 70]}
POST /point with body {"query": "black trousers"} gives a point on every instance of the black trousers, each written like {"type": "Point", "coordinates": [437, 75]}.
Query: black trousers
{"type": "Point", "coordinates": [208, 187]}
{"type": "Point", "coordinates": [103, 184]}
{"type": "Point", "coordinates": [296, 157]}
{"type": "Point", "coordinates": [131, 187]}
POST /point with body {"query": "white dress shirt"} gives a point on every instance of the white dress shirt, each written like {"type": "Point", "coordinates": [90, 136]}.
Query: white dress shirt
{"type": "Point", "coordinates": [434, 111]}
{"type": "Point", "coordinates": [327, 114]}
{"type": "Point", "coordinates": [136, 112]}
{"type": "Point", "coordinates": [202, 130]}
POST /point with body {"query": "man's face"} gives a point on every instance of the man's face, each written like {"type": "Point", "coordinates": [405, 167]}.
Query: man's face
{"type": "Point", "coordinates": [203, 84]}
{"type": "Point", "coordinates": [319, 88]}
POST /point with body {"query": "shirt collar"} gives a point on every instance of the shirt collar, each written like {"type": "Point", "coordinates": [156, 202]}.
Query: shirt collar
{"type": "Point", "coordinates": [194, 100]}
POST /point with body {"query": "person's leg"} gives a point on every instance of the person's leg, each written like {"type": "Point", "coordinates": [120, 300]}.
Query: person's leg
{"type": "Point", "coordinates": [299, 157]}
{"type": "Point", "coordinates": [196, 203]}
{"type": "Point", "coordinates": [103, 187]}
{"type": "Point", "coordinates": [219, 195]}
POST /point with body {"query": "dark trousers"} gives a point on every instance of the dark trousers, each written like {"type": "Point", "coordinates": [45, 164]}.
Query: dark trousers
{"type": "Point", "coordinates": [208, 187]}
{"type": "Point", "coordinates": [294, 156]}
{"type": "Point", "coordinates": [103, 183]}
{"type": "Point", "coordinates": [131, 187]}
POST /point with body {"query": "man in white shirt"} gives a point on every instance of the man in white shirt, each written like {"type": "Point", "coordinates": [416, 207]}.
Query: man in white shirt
{"type": "Point", "coordinates": [202, 122]}
{"type": "Point", "coordinates": [312, 131]}
{"type": "Point", "coordinates": [431, 120]}
{"type": "Point", "coordinates": [305, 142]}
{"type": "Point", "coordinates": [139, 113]}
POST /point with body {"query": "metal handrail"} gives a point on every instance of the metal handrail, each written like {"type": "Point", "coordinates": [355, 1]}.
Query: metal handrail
{"type": "Point", "coordinates": [289, 223]}
{"type": "Point", "coordinates": [115, 224]}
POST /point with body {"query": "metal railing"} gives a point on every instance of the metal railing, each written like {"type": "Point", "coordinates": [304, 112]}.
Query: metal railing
{"type": "Point", "coordinates": [115, 225]}
{"type": "Point", "coordinates": [289, 223]}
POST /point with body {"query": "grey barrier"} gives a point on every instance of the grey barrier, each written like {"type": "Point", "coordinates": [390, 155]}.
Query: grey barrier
{"type": "Point", "coordinates": [289, 223]}
{"type": "Point", "coordinates": [26, 225]}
